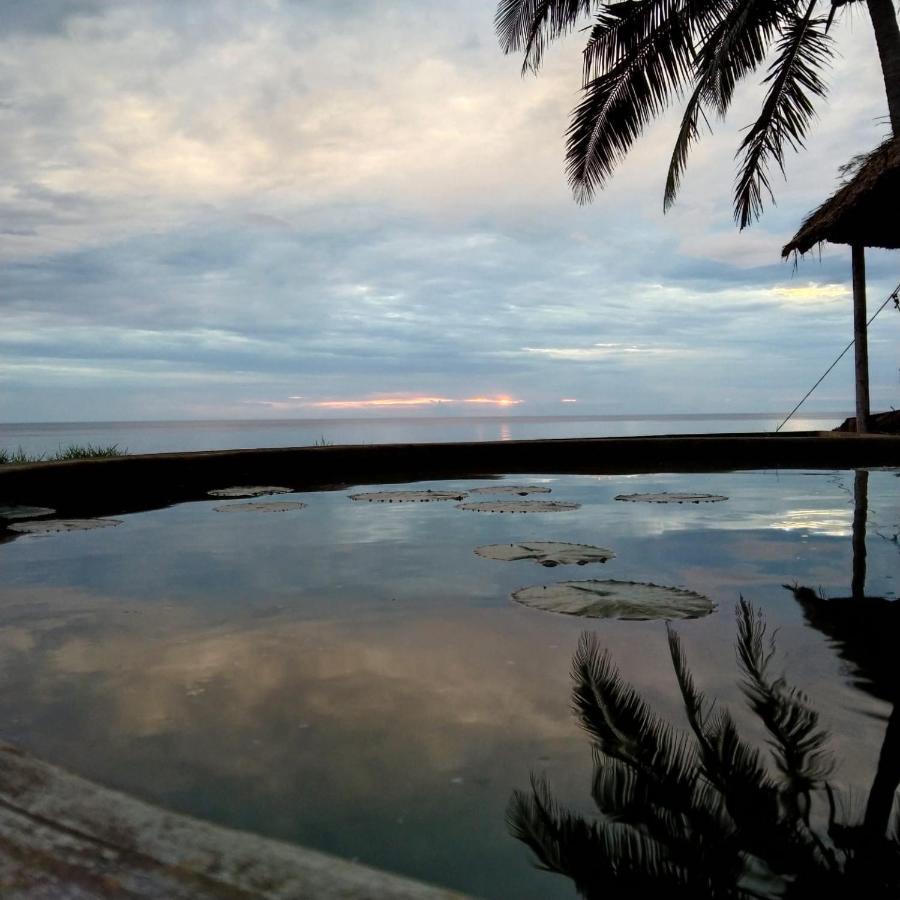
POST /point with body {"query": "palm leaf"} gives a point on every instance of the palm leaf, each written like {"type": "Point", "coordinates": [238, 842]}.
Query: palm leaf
{"type": "Point", "coordinates": [738, 45]}
{"type": "Point", "coordinates": [688, 135]}
{"type": "Point", "coordinates": [601, 858]}
{"type": "Point", "coordinates": [731, 765]}
{"type": "Point", "coordinates": [734, 769]}
{"type": "Point", "coordinates": [562, 842]}
{"type": "Point", "coordinates": [793, 725]}
{"type": "Point", "coordinates": [735, 45]}
{"type": "Point", "coordinates": [794, 82]}
{"type": "Point", "coordinates": [709, 822]}
{"type": "Point", "coordinates": [552, 835]}
{"type": "Point", "coordinates": [618, 104]}
{"type": "Point", "coordinates": [623, 726]}
{"type": "Point", "coordinates": [529, 24]}
{"type": "Point", "coordinates": [700, 837]}
{"type": "Point", "coordinates": [645, 774]}
{"type": "Point", "coordinates": [620, 29]}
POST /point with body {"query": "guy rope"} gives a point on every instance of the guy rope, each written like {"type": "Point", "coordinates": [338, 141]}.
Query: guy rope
{"type": "Point", "coordinates": [895, 296]}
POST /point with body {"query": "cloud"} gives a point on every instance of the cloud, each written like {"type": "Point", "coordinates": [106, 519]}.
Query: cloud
{"type": "Point", "coordinates": [606, 351]}
{"type": "Point", "coordinates": [187, 192]}
{"type": "Point", "coordinates": [813, 292]}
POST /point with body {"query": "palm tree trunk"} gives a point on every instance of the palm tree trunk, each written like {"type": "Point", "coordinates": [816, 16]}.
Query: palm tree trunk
{"type": "Point", "coordinates": [887, 777]}
{"type": "Point", "coordinates": [887, 37]}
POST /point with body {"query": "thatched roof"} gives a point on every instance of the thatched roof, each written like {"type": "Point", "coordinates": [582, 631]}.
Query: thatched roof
{"type": "Point", "coordinates": [863, 210]}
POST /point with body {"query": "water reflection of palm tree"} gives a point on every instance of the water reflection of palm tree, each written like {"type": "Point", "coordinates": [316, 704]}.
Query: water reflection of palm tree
{"type": "Point", "coordinates": [704, 816]}
{"type": "Point", "coordinates": [865, 632]}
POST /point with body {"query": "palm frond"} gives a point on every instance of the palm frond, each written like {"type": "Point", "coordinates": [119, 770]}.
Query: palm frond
{"type": "Point", "coordinates": [694, 702]}
{"type": "Point", "coordinates": [738, 45]}
{"type": "Point", "coordinates": [529, 24]}
{"type": "Point", "coordinates": [835, 4]}
{"type": "Point", "coordinates": [609, 36]}
{"type": "Point", "coordinates": [618, 104]}
{"type": "Point", "coordinates": [624, 795]}
{"type": "Point", "coordinates": [733, 46]}
{"type": "Point", "coordinates": [730, 764]}
{"type": "Point", "coordinates": [615, 788]}
{"type": "Point", "coordinates": [646, 775]}
{"type": "Point", "coordinates": [620, 29]}
{"type": "Point", "coordinates": [700, 837]}
{"type": "Point", "coordinates": [624, 727]}
{"type": "Point", "coordinates": [797, 739]}
{"type": "Point", "coordinates": [735, 772]}
{"type": "Point", "coordinates": [709, 822]}
{"type": "Point", "coordinates": [794, 82]}
{"type": "Point", "coordinates": [601, 858]}
{"type": "Point", "coordinates": [688, 135]}
{"type": "Point", "coordinates": [552, 835]}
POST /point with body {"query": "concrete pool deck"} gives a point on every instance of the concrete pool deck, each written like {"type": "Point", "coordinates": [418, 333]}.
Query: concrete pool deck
{"type": "Point", "coordinates": [130, 483]}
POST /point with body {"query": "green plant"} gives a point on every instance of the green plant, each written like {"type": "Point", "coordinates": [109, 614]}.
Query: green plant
{"type": "Point", "coordinates": [705, 816]}
{"type": "Point", "coordinates": [71, 451]}
{"type": "Point", "coordinates": [88, 451]}
{"type": "Point", "coordinates": [18, 455]}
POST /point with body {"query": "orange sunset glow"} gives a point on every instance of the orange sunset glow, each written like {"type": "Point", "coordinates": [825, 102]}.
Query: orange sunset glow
{"type": "Point", "coordinates": [388, 402]}
{"type": "Point", "coordinates": [493, 401]}
{"type": "Point", "coordinates": [380, 402]}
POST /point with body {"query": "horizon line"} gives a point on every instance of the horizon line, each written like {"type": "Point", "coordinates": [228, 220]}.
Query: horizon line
{"type": "Point", "coordinates": [285, 420]}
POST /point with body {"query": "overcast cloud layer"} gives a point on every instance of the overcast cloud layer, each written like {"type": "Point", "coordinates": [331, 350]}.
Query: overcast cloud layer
{"type": "Point", "coordinates": [254, 209]}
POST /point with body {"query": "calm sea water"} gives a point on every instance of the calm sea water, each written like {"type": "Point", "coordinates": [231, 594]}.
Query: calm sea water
{"type": "Point", "coordinates": [161, 437]}
{"type": "Point", "coordinates": [352, 677]}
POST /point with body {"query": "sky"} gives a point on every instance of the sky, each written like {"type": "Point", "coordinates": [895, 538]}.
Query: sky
{"type": "Point", "coordinates": [289, 208]}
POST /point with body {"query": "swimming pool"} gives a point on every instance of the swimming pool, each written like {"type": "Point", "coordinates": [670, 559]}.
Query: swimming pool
{"type": "Point", "coordinates": [352, 676]}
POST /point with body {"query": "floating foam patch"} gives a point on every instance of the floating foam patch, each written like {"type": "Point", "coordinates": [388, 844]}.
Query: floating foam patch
{"type": "Point", "coordinates": [407, 496]}
{"type": "Point", "coordinates": [521, 490]}
{"type": "Point", "coordinates": [55, 526]}
{"type": "Point", "coordinates": [547, 553]}
{"type": "Point", "coordinates": [24, 512]}
{"type": "Point", "coordinates": [260, 507]}
{"type": "Point", "coordinates": [666, 497]}
{"type": "Point", "coordinates": [616, 600]}
{"type": "Point", "coordinates": [236, 493]}
{"type": "Point", "coordinates": [519, 506]}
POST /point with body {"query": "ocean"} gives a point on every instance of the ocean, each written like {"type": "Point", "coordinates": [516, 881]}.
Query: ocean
{"type": "Point", "coordinates": [161, 437]}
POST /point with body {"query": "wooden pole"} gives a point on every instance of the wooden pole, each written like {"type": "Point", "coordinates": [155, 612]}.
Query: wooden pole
{"type": "Point", "coordinates": [860, 512]}
{"type": "Point", "coordinates": [859, 335]}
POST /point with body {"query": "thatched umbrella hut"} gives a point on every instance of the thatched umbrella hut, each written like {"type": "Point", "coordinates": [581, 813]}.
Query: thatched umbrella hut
{"type": "Point", "coordinates": [862, 213]}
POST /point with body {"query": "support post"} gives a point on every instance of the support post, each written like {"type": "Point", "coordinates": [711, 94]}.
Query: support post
{"type": "Point", "coordinates": [859, 335]}
{"type": "Point", "coordinates": [860, 512]}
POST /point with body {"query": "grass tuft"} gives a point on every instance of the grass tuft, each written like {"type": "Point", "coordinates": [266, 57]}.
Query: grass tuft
{"type": "Point", "coordinates": [88, 451]}
{"type": "Point", "coordinates": [71, 451]}
{"type": "Point", "coordinates": [18, 455]}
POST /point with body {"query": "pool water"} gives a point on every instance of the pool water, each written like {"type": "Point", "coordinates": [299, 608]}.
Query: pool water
{"type": "Point", "coordinates": [352, 677]}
